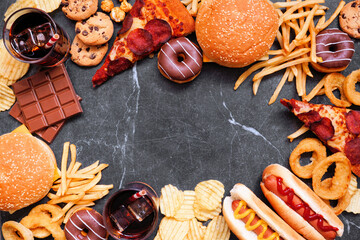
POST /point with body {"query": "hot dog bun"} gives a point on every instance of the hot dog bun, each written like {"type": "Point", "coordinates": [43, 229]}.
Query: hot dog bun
{"type": "Point", "coordinates": [27, 167]}
{"type": "Point", "coordinates": [237, 226]}
{"type": "Point", "coordinates": [304, 193]}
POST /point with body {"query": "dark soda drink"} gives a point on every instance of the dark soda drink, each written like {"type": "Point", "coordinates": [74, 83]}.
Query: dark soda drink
{"type": "Point", "coordinates": [26, 34]}
{"type": "Point", "coordinates": [129, 217]}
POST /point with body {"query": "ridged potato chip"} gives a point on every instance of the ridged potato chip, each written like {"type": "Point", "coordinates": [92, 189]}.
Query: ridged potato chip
{"type": "Point", "coordinates": [196, 230]}
{"type": "Point", "coordinates": [171, 200]}
{"type": "Point", "coordinates": [157, 237]}
{"type": "Point", "coordinates": [217, 229]}
{"type": "Point", "coordinates": [7, 97]}
{"type": "Point", "coordinates": [353, 185]}
{"type": "Point", "coordinates": [354, 206]}
{"type": "Point", "coordinates": [11, 69]}
{"type": "Point", "coordinates": [47, 5]}
{"type": "Point", "coordinates": [18, 5]}
{"type": "Point", "coordinates": [203, 214]}
{"type": "Point", "coordinates": [186, 211]}
{"type": "Point", "coordinates": [171, 229]}
{"type": "Point", "coordinates": [209, 194]}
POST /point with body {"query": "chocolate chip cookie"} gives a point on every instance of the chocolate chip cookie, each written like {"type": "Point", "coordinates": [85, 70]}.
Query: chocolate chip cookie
{"type": "Point", "coordinates": [85, 55]}
{"type": "Point", "coordinates": [350, 19]}
{"type": "Point", "coordinates": [97, 30]}
{"type": "Point", "coordinates": [79, 9]}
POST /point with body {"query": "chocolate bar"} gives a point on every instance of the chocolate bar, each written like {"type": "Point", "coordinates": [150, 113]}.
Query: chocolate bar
{"type": "Point", "coordinates": [48, 133]}
{"type": "Point", "coordinates": [46, 98]}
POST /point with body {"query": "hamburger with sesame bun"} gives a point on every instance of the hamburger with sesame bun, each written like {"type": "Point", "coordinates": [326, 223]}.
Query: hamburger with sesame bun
{"type": "Point", "coordinates": [27, 167]}
{"type": "Point", "coordinates": [236, 33]}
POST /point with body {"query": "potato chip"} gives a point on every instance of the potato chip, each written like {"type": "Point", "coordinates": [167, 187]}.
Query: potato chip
{"type": "Point", "coordinates": [203, 214]}
{"type": "Point", "coordinates": [209, 194]}
{"type": "Point", "coordinates": [11, 69]}
{"type": "Point", "coordinates": [354, 206]}
{"type": "Point", "coordinates": [170, 229]}
{"type": "Point", "coordinates": [18, 5]}
{"type": "Point", "coordinates": [157, 237]}
{"type": "Point", "coordinates": [186, 211]}
{"type": "Point", "coordinates": [353, 185]}
{"type": "Point", "coordinates": [196, 230]}
{"type": "Point", "coordinates": [170, 200]}
{"type": "Point", "coordinates": [217, 229]}
{"type": "Point", "coordinates": [47, 5]}
{"type": "Point", "coordinates": [7, 97]}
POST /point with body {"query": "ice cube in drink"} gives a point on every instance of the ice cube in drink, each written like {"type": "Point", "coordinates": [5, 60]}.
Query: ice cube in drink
{"type": "Point", "coordinates": [141, 208]}
{"type": "Point", "coordinates": [32, 40]}
{"type": "Point", "coordinates": [122, 218]}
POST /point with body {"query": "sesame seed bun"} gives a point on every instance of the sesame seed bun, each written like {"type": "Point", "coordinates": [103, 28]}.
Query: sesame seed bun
{"type": "Point", "coordinates": [236, 33]}
{"type": "Point", "coordinates": [27, 167]}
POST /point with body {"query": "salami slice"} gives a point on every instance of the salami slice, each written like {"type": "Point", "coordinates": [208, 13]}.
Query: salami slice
{"type": "Point", "coordinates": [309, 117]}
{"type": "Point", "coordinates": [126, 24]}
{"type": "Point", "coordinates": [110, 68]}
{"type": "Point", "coordinates": [140, 42]}
{"type": "Point", "coordinates": [323, 129]}
{"type": "Point", "coordinates": [136, 9]}
{"type": "Point", "coordinates": [160, 31]}
{"type": "Point", "coordinates": [353, 122]}
{"type": "Point", "coordinates": [352, 151]}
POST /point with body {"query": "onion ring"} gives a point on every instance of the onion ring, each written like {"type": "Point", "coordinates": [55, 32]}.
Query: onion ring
{"type": "Point", "coordinates": [16, 231]}
{"type": "Point", "coordinates": [49, 209]}
{"type": "Point", "coordinates": [350, 87]}
{"type": "Point", "coordinates": [44, 220]}
{"type": "Point", "coordinates": [342, 203]}
{"type": "Point", "coordinates": [339, 183]}
{"type": "Point", "coordinates": [336, 81]}
{"type": "Point", "coordinates": [307, 145]}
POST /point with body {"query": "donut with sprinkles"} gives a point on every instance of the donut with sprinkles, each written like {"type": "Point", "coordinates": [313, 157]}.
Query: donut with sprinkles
{"type": "Point", "coordinates": [336, 50]}
{"type": "Point", "coordinates": [180, 60]}
{"type": "Point", "coordinates": [85, 223]}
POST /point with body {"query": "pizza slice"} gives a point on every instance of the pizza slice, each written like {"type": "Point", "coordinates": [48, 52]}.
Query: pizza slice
{"type": "Point", "coordinates": [149, 25]}
{"type": "Point", "coordinates": [338, 128]}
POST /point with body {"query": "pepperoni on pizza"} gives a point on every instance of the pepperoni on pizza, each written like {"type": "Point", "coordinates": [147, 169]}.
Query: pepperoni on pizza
{"type": "Point", "coordinates": [149, 25]}
{"type": "Point", "coordinates": [338, 128]}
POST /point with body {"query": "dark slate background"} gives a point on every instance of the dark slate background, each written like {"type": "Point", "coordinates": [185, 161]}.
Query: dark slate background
{"type": "Point", "coordinates": [152, 130]}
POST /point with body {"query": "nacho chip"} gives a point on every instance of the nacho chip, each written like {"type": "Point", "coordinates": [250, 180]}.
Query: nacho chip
{"type": "Point", "coordinates": [7, 97]}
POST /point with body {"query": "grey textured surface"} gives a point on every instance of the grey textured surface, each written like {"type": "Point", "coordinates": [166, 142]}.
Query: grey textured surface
{"type": "Point", "coordinates": [152, 130]}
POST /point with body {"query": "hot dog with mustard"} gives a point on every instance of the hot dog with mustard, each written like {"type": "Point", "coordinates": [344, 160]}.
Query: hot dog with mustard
{"type": "Point", "coordinates": [250, 219]}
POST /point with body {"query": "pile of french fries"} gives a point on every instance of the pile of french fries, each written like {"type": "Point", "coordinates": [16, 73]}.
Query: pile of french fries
{"type": "Point", "coordinates": [77, 188]}
{"type": "Point", "coordinates": [297, 18]}
{"type": "Point", "coordinates": [192, 6]}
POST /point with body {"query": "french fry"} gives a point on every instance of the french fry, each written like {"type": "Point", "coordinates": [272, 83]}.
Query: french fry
{"type": "Point", "coordinates": [89, 168]}
{"type": "Point", "coordinates": [332, 18]}
{"type": "Point", "coordinates": [314, 91]}
{"type": "Point", "coordinates": [298, 133]}
{"type": "Point", "coordinates": [318, 12]}
{"type": "Point", "coordinates": [63, 167]}
{"type": "Point", "coordinates": [305, 28]}
{"type": "Point", "coordinates": [73, 158]}
{"type": "Point", "coordinates": [298, 6]}
{"type": "Point", "coordinates": [280, 85]}
{"type": "Point", "coordinates": [280, 67]}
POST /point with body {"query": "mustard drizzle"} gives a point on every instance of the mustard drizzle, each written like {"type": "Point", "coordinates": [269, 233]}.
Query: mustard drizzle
{"type": "Point", "coordinates": [249, 227]}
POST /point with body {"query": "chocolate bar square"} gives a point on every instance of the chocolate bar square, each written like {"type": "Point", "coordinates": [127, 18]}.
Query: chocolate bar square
{"type": "Point", "coordinates": [46, 98]}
